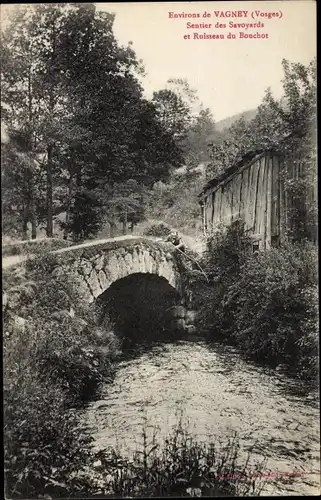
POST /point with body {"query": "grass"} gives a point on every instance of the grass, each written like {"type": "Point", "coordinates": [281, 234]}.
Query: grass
{"type": "Point", "coordinates": [37, 246]}
{"type": "Point", "coordinates": [180, 466]}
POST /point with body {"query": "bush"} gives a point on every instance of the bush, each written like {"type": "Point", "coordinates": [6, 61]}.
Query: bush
{"type": "Point", "coordinates": [54, 359]}
{"type": "Point", "coordinates": [158, 230]}
{"type": "Point", "coordinates": [266, 303]}
{"type": "Point", "coordinates": [44, 448]}
{"type": "Point", "coordinates": [68, 340]}
{"type": "Point", "coordinates": [179, 467]}
{"type": "Point", "coordinates": [276, 307]}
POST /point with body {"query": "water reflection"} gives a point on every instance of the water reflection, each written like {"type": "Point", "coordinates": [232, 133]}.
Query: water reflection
{"type": "Point", "coordinates": [218, 393]}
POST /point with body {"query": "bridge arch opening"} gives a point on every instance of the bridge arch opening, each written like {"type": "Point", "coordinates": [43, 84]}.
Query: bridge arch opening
{"type": "Point", "coordinates": [142, 308]}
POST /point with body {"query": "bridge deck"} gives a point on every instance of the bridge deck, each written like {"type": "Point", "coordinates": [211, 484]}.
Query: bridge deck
{"type": "Point", "coordinates": [108, 243]}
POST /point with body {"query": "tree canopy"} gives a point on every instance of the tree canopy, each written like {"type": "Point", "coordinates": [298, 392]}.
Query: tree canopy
{"type": "Point", "coordinates": [90, 121]}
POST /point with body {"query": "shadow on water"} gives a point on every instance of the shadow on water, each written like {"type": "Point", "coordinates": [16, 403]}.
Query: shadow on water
{"type": "Point", "coordinates": [140, 308]}
{"type": "Point", "coordinates": [160, 372]}
{"type": "Point", "coordinates": [283, 378]}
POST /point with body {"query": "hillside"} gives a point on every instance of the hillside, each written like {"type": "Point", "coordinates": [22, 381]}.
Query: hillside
{"type": "Point", "coordinates": [227, 122]}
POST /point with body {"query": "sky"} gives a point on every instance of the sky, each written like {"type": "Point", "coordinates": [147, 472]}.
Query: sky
{"type": "Point", "coordinates": [230, 75]}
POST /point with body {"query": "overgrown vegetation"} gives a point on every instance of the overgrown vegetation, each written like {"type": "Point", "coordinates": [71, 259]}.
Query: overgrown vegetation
{"type": "Point", "coordinates": [159, 229]}
{"type": "Point", "coordinates": [55, 356]}
{"type": "Point", "coordinates": [266, 303]}
{"type": "Point", "coordinates": [180, 467]}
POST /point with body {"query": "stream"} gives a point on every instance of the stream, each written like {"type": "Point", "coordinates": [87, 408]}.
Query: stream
{"type": "Point", "coordinates": [218, 394]}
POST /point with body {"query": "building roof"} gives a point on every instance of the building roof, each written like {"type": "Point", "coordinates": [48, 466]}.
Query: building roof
{"type": "Point", "coordinates": [246, 159]}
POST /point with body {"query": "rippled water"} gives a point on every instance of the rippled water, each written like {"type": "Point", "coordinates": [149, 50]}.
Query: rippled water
{"type": "Point", "coordinates": [219, 394]}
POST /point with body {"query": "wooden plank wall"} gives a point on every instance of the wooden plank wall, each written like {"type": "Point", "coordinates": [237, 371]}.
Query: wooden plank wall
{"type": "Point", "coordinates": [247, 195]}
{"type": "Point", "coordinates": [257, 195]}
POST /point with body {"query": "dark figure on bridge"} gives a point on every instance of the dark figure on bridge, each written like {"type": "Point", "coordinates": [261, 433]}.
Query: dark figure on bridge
{"type": "Point", "coordinates": [176, 240]}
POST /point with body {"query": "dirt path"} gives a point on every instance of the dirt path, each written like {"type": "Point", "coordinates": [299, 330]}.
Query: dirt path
{"type": "Point", "coordinates": [194, 243]}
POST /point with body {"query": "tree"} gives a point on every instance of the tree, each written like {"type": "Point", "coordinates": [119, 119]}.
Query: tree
{"type": "Point", "coordinates": [198, 139]}
{"type": "Point", "coordinates": [188, 95]}
{"type": "Point", "coordinates": [118, 136]}
{"type": "Point", "coordinates": [125, 203]}
{"type": "Point", "coordinates": [289, 127]}
{"type": "Point", "coordinates": [86, 216]}
{"type": "Point", "coordinates": [89, 120]}
{"type": "Point", "coordinates": [31, 85]}
{"type": "Point", "coordinates": [174, 105]}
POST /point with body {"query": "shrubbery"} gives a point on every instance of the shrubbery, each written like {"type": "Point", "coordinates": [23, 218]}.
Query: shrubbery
{"type": "Point", "coordinates": [179, 467]}
{"type": "Point", "coordinates": [44, 448]}
{"type": "Point", "coordinates": [160, 229]}
{"type": "Point", "coordinates": [265, 302]}
{"type": "Point", "coordinates": [54, 359]}
{"type": "Point", "coordinates": [68, 341]}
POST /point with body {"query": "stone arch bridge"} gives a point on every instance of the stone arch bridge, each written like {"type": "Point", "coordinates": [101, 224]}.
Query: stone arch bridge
{"type": "Point", "coordinates": [95, 266]}
{"type": "Point", "coordinates": [91, 268]}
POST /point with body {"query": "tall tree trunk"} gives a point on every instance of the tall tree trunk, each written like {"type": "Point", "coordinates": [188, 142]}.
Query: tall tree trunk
{"type": "Point", "coordinates": [112, 228]}
{"type": "Point", "coordinates": [49, 192]}
{"type": "Point", "coordinates": [25, 212]}
{"type": "Point", "coordinates": [25, 223]}
{"type": "Point", "coordinates": [112, 223]}
{"type": "Point", "coordinates": [125, 222]}
{"type": "Point", "coordinates": [33, 223]}
{"type": "Point", "coordinates": [31, 183]}
{"type": "Point", "coordinates": [50, 145]}
{"type": "Point", "coordinates": [68, 207]}
{"type": "Point", "coordinates": [33, 210]}
{"type": "Point", "coordinates": [132, 224]}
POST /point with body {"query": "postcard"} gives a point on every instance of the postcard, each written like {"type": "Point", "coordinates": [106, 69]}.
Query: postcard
{"type": "Point", "coordinates": [160, 250]}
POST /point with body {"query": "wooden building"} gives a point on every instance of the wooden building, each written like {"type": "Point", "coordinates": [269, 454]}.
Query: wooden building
{"type": "Point", "coordinates": [253, 190]}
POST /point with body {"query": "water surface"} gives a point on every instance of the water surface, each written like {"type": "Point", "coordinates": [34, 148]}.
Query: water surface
{"type": "Point", "coordinates": [218, 394]}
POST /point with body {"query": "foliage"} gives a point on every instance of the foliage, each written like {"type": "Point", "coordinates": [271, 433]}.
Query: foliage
{"type": "Point", "coordinates": [126, 202]}
{"type": "Point", "coordinates": [174, 106]}
{"type": "Point", "coordinates": [179, 467]}
{"type": "Point", "coordinates": [69, 343]}
{"type": "Point", "coordinates": [54, 98]}
{"type": "Point", "coordinates": [55, 356]}
{"type": "Point", "coordinates": [86, 216]}
{"type": "Point", "coordinates": [200, 134]}
{"type": "Point", "coordinates": [263, 302]}
{"type": "Point", "coordinates": [282, 326]}
{"type": "Point", "coordinates": [159, 229]}
{"type": "Point", "coordinates": [287, 125]}
{"type": "Point", "coordinates": [176, 203]}
{"type": "Point", "coordinates": [45, 450]}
